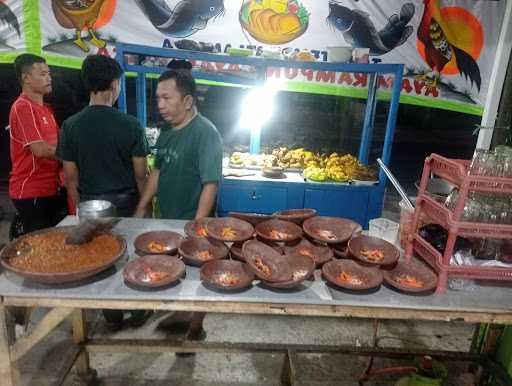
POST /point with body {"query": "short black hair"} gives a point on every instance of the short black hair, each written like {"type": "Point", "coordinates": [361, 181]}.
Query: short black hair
{"type": "Point", "coordinates": [185, 82]}
{"type": "Point", "coordinates": [177, 64]}
{"type": "Point", "coordinates": [98, 72]}
{"type": "Point", "coordinates": [23, 64]}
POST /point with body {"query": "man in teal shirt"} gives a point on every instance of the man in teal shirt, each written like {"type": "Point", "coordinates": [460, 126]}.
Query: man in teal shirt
{"type": "Point", "coordinates": [188, 165]}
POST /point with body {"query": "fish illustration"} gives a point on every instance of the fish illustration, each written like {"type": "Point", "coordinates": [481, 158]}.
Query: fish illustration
{"type": "Point", "coordinates": [359, 31]}
{"type": "Point", "coordinates": [187, 17]}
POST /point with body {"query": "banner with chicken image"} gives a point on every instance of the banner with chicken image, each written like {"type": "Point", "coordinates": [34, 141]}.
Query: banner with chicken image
{"type": "Point", "coordinates": [447, 46]}
{"type": "Point", "coordinates": [11, 27]}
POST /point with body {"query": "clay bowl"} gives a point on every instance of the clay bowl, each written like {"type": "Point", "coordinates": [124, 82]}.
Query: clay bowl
{"type": "Point", "coordinates": [319, 253]}
{"type": "Point", "coordinates": [370, 277]}
{"type": "Point", "coordinates": [415, 269]}
{"type": "Point", "coordinates": [72, 275]}
{"type": "Point", "coordinates": [256, 252]}
{"type": "Point", "coordinates": [357, 244]}
{"type": "Point", "coordinates": [295, 215]}
{"type": "Point", "coordinates": [236, 253]}
{"type": "Point", "coordinates": [170, 241]}
{"type": "Point", "coordinates": [191, 248]}
{"type": "Point", "coordinates": [252, 218]}
{"type": "Point", "coordinates": [197, 228]}
{"type": "Point", "coordinates": [135, 272]}
{"type": "Point", "coordinates": [330, 230]}
{"type": "Point", "coordinates": [302, 268]}
{"type": "Point", "coordinates": [273, 172]}
{"type": "Point", "coordinates": [213, 271]}
{"type": "Point", "coordinates": [285, 231]}
{"type": "Point", "coordinates": [242, 229]}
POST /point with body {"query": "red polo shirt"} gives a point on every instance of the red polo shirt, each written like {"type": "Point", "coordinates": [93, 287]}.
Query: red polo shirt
{"type": "Point", "coordinates": [32, 176]}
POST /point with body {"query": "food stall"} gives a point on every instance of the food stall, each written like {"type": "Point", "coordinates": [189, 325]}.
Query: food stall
{"type": "Point", "coordinates": [333, 183]}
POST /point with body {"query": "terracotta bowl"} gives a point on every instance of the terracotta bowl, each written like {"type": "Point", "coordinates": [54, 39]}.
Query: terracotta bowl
{"type": "Point", "coordinates": [136, 271]}
{"type": "Point", "coordinates": [319, 253]}
{"type": "Point", "coordinates": [295, 215]}
{"type": "Point", "coordinates": [213, 272]}
{"type": "Point", "coordinates": [69, 276]}
{"type": "Point", "coordinates": [197, 228]}
{"type": "Point", "coordinates": [278, 230]}
{"type": "Point", "coordinates": [330, 230]}
{"type": "Point", "coordinates": [192, 248]}
{"type": "Point", "coordinates": [370, 277]}
{"type": "Point", "coordinates": [170, 241]}
{"type": "Point", "coordinates": [358, 244]}
{"type": "Point", "coordinates": [258, 254]}
{"type": "Point", "coordinates": [252, 218]}
{"type": "Point", "coordinates": [242, 229]}
{"type": "Point", "coordinates": [302, 268]}
{"type": "Point", "coordinates": [414, 269]}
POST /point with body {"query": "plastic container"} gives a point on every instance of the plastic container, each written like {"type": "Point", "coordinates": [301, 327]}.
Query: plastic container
{"type": "Point", "coordinates": [384, 229]}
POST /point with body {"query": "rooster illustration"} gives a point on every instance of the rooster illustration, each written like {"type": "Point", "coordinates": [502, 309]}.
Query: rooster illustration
{"type": "Point", "coordinates": [7, 16]}
{"type": "Point", "coordinates": [440, 50]}
{"type": "Point", "coordinates": [79, 15]}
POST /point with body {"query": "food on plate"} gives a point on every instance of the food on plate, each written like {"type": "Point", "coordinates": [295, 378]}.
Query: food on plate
{"type": "Point", "coordinates": [345, 277]}
{"type": "Point", "coordinates": [228, 279]}
{"type": "Point", "coordinates": [151, 275]}
{"type": "Point", "coordinates": [325, 234]}
{"type": "Point", "coordinates": [204, 255]}
{"type": "Point", "coordinates": [201, 231]}
{"type": "Point", "coordinates": [156, 247]}
{"type": "Point", "coordinates": [228, 233]}
{"type": "Point", "coordinates": [374, 255]}
{"type": "Point", "coordinates": [299, 274]}
{"type": "Point", "coordinates": [275, 234]}
{"type": "Point", "coordinates": [306, 252]}
{"type": "Point", "coordinates": [49, 253]}
{"type": "Point", "coordinates": [262, 267]}
{"type": "Point", "coordinates": [409, 281]}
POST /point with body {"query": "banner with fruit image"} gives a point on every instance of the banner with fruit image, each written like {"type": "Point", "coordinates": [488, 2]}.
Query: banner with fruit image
{"type": "Point", "coordinates": [274, 21]}
{"type": "Point", "coordinates": [447, 46]}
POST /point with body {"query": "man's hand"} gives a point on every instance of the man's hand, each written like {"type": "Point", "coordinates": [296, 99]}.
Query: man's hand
{"type": "Point", "coordinates": [147, 195]}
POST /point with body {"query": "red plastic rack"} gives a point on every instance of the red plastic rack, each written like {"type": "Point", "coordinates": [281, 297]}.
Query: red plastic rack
{"type": "Point", "coordinates": [456, 172]}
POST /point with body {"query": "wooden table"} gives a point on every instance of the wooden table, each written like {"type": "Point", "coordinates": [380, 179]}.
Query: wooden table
{"type": "Point", "coordinates": [485, 304]}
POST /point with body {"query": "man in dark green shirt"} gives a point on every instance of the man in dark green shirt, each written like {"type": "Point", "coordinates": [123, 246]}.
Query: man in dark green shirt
{"type": "Point", "coordinates": [104, 150]}
{"type": "Point", "coordinates": [188, 167]}
{"type": "Point", "coordinates": [104, 153]}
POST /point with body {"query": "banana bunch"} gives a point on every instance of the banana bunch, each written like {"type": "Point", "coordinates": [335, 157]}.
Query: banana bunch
{"type": "Point", "coordinates": [337, 174]}
{"type": "Point", "coordinates": [316, 174]}
{"type": "Point", "coordinates": [238, 159]}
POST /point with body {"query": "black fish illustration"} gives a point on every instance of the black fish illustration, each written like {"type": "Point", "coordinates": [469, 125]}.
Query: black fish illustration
{"type": "Point", "coordinates": [359, 31]}
{"type": "Point", "coordinates": [187, 17]}
{"type": "Point", "coordinates": [8, 17]}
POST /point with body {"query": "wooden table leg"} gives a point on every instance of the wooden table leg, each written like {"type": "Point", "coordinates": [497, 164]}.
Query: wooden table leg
{"type": "Point", "coordinates": [9, 372]}
{"type": "Point", "coordinates": [288, 371]}
{"type": "Point", "coordinates": [82, 364]}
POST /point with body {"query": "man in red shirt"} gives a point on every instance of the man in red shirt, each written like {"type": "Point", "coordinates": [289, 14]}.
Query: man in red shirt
{"type": "Point", "coordinates": [34, 178]}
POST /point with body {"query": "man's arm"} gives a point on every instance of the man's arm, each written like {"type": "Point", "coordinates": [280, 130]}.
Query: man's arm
{"type": "Point", "coordinates": [140, 168]}
{"type": "Point", "coordinates": [72, 176]}
{"type": "Point", "coordinates": [147, 195]}
{"type": "Point", "coordinates": [42, 149]}
{"type": "Point", "coordinates": [207, 200]}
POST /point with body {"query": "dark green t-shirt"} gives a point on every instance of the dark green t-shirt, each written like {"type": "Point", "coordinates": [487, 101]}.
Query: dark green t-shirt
{"type": "Point", "coordinates": [187, 159]}
{"type": "Point", "coordinates": [102, 141]}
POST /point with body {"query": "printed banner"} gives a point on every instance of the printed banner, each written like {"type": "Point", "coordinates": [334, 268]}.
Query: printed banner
{"type": "Point", "coordinates": [447, 47]}
{"type": "Point", "coordinates": [11, 26]}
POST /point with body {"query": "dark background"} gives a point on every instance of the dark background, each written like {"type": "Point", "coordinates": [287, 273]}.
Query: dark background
{"type": "Point", "coordinates": [319, 122]}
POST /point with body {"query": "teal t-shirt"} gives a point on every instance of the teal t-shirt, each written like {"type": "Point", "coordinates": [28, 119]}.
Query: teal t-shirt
{"type": "Point", "coordinates": [101, 141]}
{"type": "Point", "coordinates": [187, 158]}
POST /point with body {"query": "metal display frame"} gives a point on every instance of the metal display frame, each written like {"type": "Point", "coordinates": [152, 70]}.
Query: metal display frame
{"type": "Point", "coordinates": [261, 65]}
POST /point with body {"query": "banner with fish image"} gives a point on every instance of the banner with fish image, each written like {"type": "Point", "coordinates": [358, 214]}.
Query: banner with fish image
{"type": "Point", "coordinates": [11, 29]}
{"type": "Point", "coordinates": [447, 46]}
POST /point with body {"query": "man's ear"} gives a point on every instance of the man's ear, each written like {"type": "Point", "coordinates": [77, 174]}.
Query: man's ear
{"type": "Point", "coordinates": [189, 102]}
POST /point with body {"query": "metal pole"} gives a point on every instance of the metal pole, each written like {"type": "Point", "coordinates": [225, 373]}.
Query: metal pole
{"type": "Point", "coordinates": [121, 101]}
